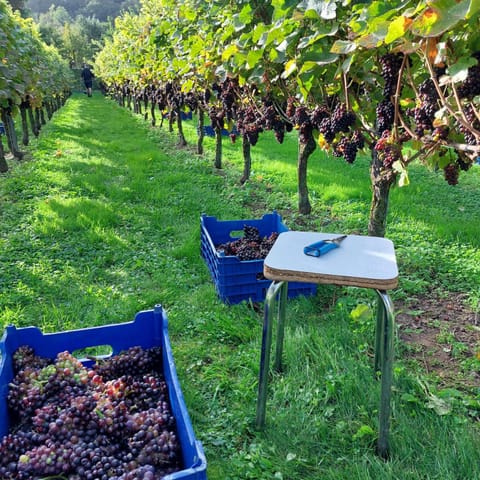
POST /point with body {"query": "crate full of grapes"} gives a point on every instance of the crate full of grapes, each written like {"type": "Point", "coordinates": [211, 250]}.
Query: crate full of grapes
{"type": "Point", "coordinates": [234, 251]}
{"type": "Point", "coordinates": [101, 402]}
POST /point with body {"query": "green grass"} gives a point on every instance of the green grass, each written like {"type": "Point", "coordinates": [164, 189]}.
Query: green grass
{"type": "Point", "coordinates": [103, 221]}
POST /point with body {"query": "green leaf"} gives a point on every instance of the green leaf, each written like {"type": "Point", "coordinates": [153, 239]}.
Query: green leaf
{"type": "Point", "coordinates": [439, 17]}
{"type": "Point", "coordinates": [188, 85]}
{"type": "Point", "coordinates": [245, 15]}
{"type": "Point", "coordinates": [318, 35]}
{"type": "Point", "coordinates": [361, 312]}
{"type": "Point", "coordinates": [276, 35]}
{"type": "Point", "coordinates": [374, 39]}
{"type": "Point", "coordinates": [349, 61]}
{"type": "Point", "coordinates": [259, 33]}
{"type": "Point", "coordinates": [403, 180]}
{"type": "Point", "coordinates": [326, 9]}
{"type": "Point", "coordinates": [440, 406]}
{"type": "Point", "coordinates": [364, 431]}
{"type": "Point", "coordinates": [253, 57]}
{"type": "Point", "coordinates": [282, 8]}
{"type": "Point", "coordinates": [319, 57]}
{"type": "Point", "coordinates": [474, 8]}
{"type": "Point", "coordinates": [290, 67]}
{"type": "Point", "coordinates": [409, 398]}
{"type": "Point", "coordinates": [237, 23]}
{"type": "Point", "coordinates": [343, 47]}
{"type": "Point", "coordinates": [458, 72]}
{"type": "Point", "coordinates": [277, 56]}
{"type": "Point", "coordinates": [305, 83]}
{"type": "Point", "coordinates": [231, 50]}
{"type": "Point", "coordinates": [397, 29]}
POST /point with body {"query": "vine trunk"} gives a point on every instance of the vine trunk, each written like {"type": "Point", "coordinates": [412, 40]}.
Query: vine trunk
{"type": "Point", "coordinates": [382, 181]}
{"type": "Point", "coordinates": [305, 149]}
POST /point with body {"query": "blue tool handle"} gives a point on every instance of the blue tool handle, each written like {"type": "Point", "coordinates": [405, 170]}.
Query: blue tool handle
{"type": "Point", "coordinates": [327, 247]}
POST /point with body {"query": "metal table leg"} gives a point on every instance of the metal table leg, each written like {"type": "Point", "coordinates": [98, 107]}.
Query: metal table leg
{"type": "Point", "coordinates": [282, 308]}
{"type": "Point", "coordinates": [265, 352]}
{"type": "Point", "coordinates": [384, 343]}
{"type": "Point", "coordinates": [379, 335]}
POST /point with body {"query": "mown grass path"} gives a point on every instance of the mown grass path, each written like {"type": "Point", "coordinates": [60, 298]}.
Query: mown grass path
{"type": "Point", "coordinates": [103, 221]}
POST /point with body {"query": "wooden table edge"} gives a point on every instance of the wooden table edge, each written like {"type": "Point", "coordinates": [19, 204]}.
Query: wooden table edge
{"type": "Point", "coordinates": [308, 277]}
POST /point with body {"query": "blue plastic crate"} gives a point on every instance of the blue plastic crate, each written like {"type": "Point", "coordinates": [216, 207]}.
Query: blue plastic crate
{"type": "Point", "coordinates": [236, 280]}
{"type": "Point", "coordinates": [148, 329]}
{"type": "Point", "coordinates": [209, 131]}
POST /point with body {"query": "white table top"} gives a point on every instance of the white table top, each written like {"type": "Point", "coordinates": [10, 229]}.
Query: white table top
{"type": "Point", "coordinates": [359, 261]}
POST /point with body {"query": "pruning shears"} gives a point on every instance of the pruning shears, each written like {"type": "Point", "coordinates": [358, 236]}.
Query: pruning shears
{"type": "Point", "coordinates": [320, 248]}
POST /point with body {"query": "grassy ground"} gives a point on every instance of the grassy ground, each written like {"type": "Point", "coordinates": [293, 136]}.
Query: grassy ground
{"type": "Point", "coordinates": [103, 221]}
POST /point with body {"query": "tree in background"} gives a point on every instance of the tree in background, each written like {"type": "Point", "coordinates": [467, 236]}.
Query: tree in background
{"type": "Point", "coordinates": [75, 44]}
{"type": "Point", "coordinates": [19, 5]}
{"type": "Point", "coordinates": [76, 27]}
{"type": "Point", "coordinates": [101, 9]}
{"type": "Point", "coordinates": [51, 24]}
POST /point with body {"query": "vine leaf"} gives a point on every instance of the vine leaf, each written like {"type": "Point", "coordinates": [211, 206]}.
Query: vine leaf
{"type": "Point", "coordinates": [458, 72]}
{"type": "Point", "coordinates": [343, 47]}
{"type": "Point", "coordinates": [326, 9]}
{"type": "Point", "coordinates": [439, 17]}
{"type": "Point", "coordinates": [290, 67]}
{"type": "Point", "coordinates": [398, 28]}
{"type": "Point", "coordinates": [403, 180]}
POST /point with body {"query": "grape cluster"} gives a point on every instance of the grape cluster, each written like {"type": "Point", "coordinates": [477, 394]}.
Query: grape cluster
{"type": "Point", "coordinates": [329, 123]}
{"type": "Point", "coordinates": [320, 113]}
{"type": "Point", "coordinates": [325, 128]}
{"type": "Point", "coordinates": [249, 247]}
{"type": "Point", "coordinates": [471, 86]}
{"type": "Point", "coordinates": [385, 116]}
{"type": "Point", "coordinates": [358, 139]}
{"type": "Point", "coordinates": [470, 115]}
{"type": "Point", "coordinates": [111, 421]}
{"type": "Point", "coordinates": [227, 93]}
{"type": "Point", "coordinates": [301, 119]}
{"type": "Point", "coordinates": [191, 100]}
{"type": "Point", "coordinates": [424, 113]}
{"type": "Point", "coordinates": [249, 124]}
{"type": "Point", "coordinates": [390, 66]}
{"type": "Point", "coordinates": [345, 148]}
{"type": "Point", "coordinates": [271, 120]}
{"type": "Point", "coordinates": [25, 357]}
{"type": "Point", "coordinates": [385, 110]}
{"type": "Point", "coordinates": [290, 110]}
{"type": "Point", "coordinates": [451, 173]}
{"type": "Point", "coordinates": [342, 119]}
{"type": "Point", "coordinates": [217, 118]}
{"type": "Point", "coordinates": [387, 151]}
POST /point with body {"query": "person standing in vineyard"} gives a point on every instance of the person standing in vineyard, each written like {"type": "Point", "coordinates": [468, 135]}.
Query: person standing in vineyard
{"type": "Point", "coordinates": [87, 76]}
